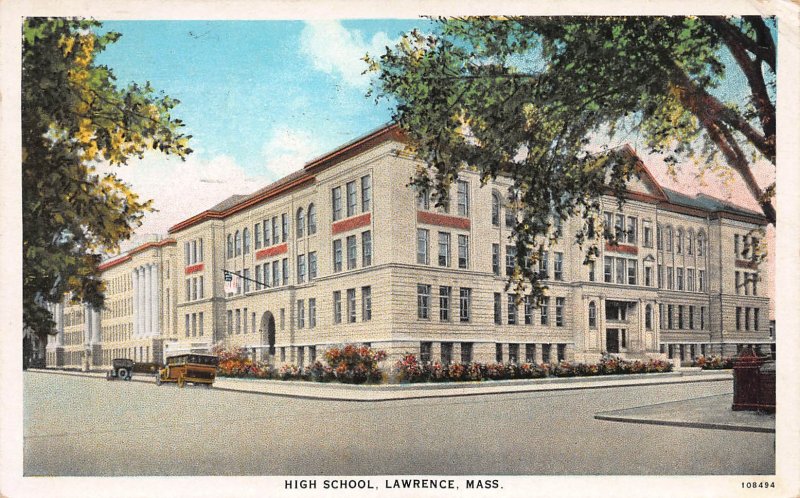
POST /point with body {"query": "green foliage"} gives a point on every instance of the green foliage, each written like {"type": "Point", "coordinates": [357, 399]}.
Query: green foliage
{"type": "Point", "coordinates": [523, 97]}
{"type": "Point", "coordinates": [74, 116]}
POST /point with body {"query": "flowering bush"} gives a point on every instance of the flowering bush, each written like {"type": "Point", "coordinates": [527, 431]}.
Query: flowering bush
{"type": "Point", "coordinates": [713, 362]}
{"type": "Point", "coordinates": [237, 364]}
{"type": "Point", "coordinates": [355, 364]}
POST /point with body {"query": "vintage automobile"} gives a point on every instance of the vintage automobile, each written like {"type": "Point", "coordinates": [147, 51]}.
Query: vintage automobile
{"type": "Point", "coordinates": [191, 367]}
{"type": "Point", "coordinates": [121, 368]}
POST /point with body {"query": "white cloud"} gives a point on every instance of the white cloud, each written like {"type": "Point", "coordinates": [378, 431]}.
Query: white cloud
{"type": "Point", "coordinates": [287, 150]}
{"type": "Point", "coordinates": [337, 51]}
{"type": "Point", "coordinates": [182, 189]}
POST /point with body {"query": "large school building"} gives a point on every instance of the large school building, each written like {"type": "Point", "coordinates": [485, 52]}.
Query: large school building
{"type": "Point", "coordinates": [344, 251]}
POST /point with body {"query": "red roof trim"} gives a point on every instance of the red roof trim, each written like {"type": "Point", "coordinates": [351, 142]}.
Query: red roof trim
{"type": "Point", "coordinates": [193, 268]}
{"type": "Point", "coordinates": [388, 132]}
{"type": "Point", "coordinates": [114, 262]}
{"type": "Point", "coordinates": [626, 249]}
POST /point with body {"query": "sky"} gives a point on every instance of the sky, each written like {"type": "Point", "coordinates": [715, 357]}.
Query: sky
{"type": "Point", "coordinates": [262, 98]}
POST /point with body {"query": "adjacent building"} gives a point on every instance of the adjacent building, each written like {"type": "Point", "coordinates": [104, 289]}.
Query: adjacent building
{"type": "Point", "coordinates": [345, 251]}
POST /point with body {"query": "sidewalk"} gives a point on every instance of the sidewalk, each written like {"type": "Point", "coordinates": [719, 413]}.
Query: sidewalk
{"type": "Point", "coordinates": [391, 392]}
{"type": "Point", "coordinates": [710, 412]}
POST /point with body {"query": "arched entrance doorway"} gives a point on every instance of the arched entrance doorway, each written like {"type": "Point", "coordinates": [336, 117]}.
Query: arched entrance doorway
{"type": "Point", "coordinates": [268, 336]}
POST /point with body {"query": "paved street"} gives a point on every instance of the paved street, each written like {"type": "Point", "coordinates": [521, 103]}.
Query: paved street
{"type": "Point", "coordinates": [85, 426]}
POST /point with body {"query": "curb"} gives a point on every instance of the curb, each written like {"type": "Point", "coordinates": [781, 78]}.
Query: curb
{"type": "Point", "coordinates": [398, 392]}
{"type": "Point", "coordinates": [697, 425]}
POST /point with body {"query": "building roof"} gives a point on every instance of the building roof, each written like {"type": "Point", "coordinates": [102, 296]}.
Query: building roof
{"type": "Point", "coordinates": [707, 203]}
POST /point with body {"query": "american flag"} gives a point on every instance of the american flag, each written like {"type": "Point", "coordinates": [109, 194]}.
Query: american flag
{"type": "Point", "coordinates": [231, 283]}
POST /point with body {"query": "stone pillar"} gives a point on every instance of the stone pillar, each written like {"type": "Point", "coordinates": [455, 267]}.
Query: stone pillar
{"type": "Point", "coordinates": [148, 299]}
{"type": "Point", "coordinates": [87, 325]}
{"type": "Point", "coordinates": [142, 297]}
{"type": "Point", "coordinates": [456, 355]}
{"type": "Point", "coordinates": [154, 327]}
{"type": "Point", "coordinates": [60, 324]}
{"type": "Point", "coordinates": [135, 280]}
{"type": "Point", "coordinates": [538, 354]}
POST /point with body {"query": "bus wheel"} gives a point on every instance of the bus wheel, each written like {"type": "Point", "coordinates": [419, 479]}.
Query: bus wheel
{"type": "Point", "coordinates": [181, 381]}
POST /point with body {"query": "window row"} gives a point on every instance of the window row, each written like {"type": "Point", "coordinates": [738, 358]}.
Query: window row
{"type": "Point", "coordinates": [193, 324]}
{"type": "Point", "coordinates": [301, 313]}
{"type": "Point", "coordinates": [238, 321]}
{"type": "Point", "coordinates": [445, 295]}
{"type": "Point", "coordinates": [263, 277]}
{"type": "Point", "coordinates": [117, 308]}
{"type": "Point", "coordinates": [194, 288]}
{"type": "Point", "coordinates": [467, 348]}
{"type": "Point", "coordinates": [744, 246]}
{"type": "Point", "coordinates": [462, 199]}
{"type": "Point", "coordinates": [681, 317]}
{"type": "Point", "coordinates": [746, 283]}
{"type": "Point", "coordinates": [117, 333]}
{"type": "Point", "coordinates": [193, 251]}
{"type": "Point", "coordinates": [352, 248]}
{"type": "Point", "coordinates": [350, 295]}
{"type": "Point", "coordinates": [682, 279]}
{"type": "Point", "coordinates": [444, 249]}
{"type": "Point", "coordinates": [351, 191]}
{"type": "Point", "coordinates": [746, 313]}
{"type": "Point", "coordinates": [680, 241]}
{"type": "Point", "coordinates": [122, 283]}
{"type": "Point", "coordinates": [528, 307]}
{"type": "Point", "coordinates": [305, 222]}
{"type": "Point", "coordinates": [238, 243]}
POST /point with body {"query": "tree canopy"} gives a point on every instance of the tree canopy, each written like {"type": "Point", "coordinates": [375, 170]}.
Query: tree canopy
{"type": "Point", "coordinates": [74, 116]}
{"type": "Point", "coordinates": [529, 97]}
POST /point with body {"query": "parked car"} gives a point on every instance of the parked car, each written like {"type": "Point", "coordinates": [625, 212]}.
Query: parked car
{"type": "Point", "coordinates": [192, 367]}
{"type": "Point", "coordinates": [121, 368]}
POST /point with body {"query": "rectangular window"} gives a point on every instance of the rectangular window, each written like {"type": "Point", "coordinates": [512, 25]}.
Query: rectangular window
{"type": "Point", "coordinates": [648, 276]}
{"type": "Point", "coordinates": [702, 317]}
{"type": "Point", "coordinates": [496, 259]}
{"type": "Point", "coordinates": [560, 312]}
{"type": "Point", "coordinates": [284, 227]}
{"type": "Point", "coordinates": [690, 280]}
{"type": "Point", "coordinates": [619, 227]}
{"type": "Point", "coordinates": [660, 276]}
{"type": "Point", "coordinates": [679, 278]}
{"type": "Point", "coordinates": [188, 289]}
{"type": "Point", "coordinates": [276, 236]}
{"type": "Point", "coordinates": [444, 303]}
{"type": "Point", "coordinates": [530, 353]}
{"type": "Point", "coordinates": [463, 251]}
{"type": "Point", "coordinates": [187, 260]}
{"type": "Point", "coordinates": [670, 310]}
{"type": "Point", "coordinates": [312, 313]}
{"type": "Point", "coordinates": [312, 265]}
{"type": "Point", "coordinates": [351, 198]}
{"type": "Point", "coordinates": [230, 323]}
{"type": "Point", "coordinates": [466, 352]}
{"type": "Point", "coordinates": [265, 229]}
{"type": "Point", "coordinates": [464, 304]}
{"type": "Point", "coordinates": [194, 324]}
{"type": "Point", "coordinates": [498, 353]}
{"type": "Point", "coordinates": [632, 232]}
{"type": "Point", "coordinates": [680, 317]}
{"type": "Point", "coordinates": [188, 330]}
{"type": "Point", "coordinates": [647, 234]}
{"type": "Point", "coordinates": [512, 309]}
{"type": "Point", "coordinates": [238, 322]}
{"type": "Point", "coordinates": [425, 352]}
{"type": "Point", "coordinates": [258, 277]}
{"type": "Point", "coordinates": [422, 246]}
{"type": "Point", "coordinates": [423, 301]}
{"type": "Point", "coordinates": [245, 274]}
{"type": "Point", "coordinates": [337, 306]}
{"type": "Point", "coordinates": [747, 318]}
{"type": "Point", "coordinates": [528, 309]}
{"type": "Point", "coordinates": [336, 200]}
{"type": "Point", "coordinates": [366, 303]}
{"type": "Point", "coordinates": [301, 314]}
{"type": "Point", "coordinates": [444, 249]}
{"type": "Point", "coordinates": [608, 269]}
{"type": "Point", "coordinates": [276, 274]}
{"type": "Point", "coordinates": [337, 255]}
{"type": "Point", "coordinates": [591, 271]}
{"type": "Point", "coordinates": [691, 317]}
{"type": "Point", "coordinates": [447, 353]}
{"type": "Point", "coordinates": [513, 353]}
{"type": "Point", "coordinates": [738, 317]}
{"type": "Point", "coordinates": [301, 268]}
{"type": "Point", "coordinates": [366, 193]}
{"type": "Point", "coordinates": [756, 313]}
{"type": "Point", "coordinates": [670, 280]}
{"type": "Point", "coordinates": [200, 324]}
{"type": "Point", "coordinates": [511, 259]}
{"type": "Point", "coordinates": [544, 304]}
{"type": "Point", "coordinates": [632, 272]}
{"type": "Point", "coordinates": [659, 238]}
{"type": "Point", "coordinates": [366, 248]}
{"type": "Point", "coordinates": [423, 199]}
{"type": "Point", "coordinates": [351, 252]}
{"type": "Point", "coordinates": [257, 235]}
{"type": "Point", "coordinates": [620, 270]}
{"type": "Point", "coordinates": [285, 270]}
{"type": "Point", "coordinates": [463, 198]}
{"type": "Point", "coordinates": [662, 317]}
{"type": "Point", "coordinates": [544, 271]}
{"type": "Point", "coordinates": [558, 266]}
{"type": "Point", "coordinates": [498, 319]}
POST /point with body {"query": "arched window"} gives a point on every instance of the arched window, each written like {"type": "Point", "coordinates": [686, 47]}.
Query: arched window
{"type": "Point", "coordinates": [679, 241]}
{"type": "Point", "coordinates": [237, 243]}
{"type": "Point", "coordinates": [230, 245]}
{"type": "Point", "coordinates": [312, 219]}
{"type": "Point", "coordinates": [701, 243]}
{"type": "Point", "coordinates": [648, 317]}
{"type": "Point", "coordinates": [592, 315]}
{"type": "Point", "coordinates": [495, 209]}
{"type": "Point", "coordinates": [301, 222]}
{"type": "Point", "coordinates": [690, 242]}
{"type": "Point", "coordinates": [668, 235]}
{"type": "Point", "coordinates": [246, 238]}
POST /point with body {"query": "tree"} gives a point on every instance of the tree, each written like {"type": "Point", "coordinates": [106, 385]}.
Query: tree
{"type": "Point", "coordinates": [73, 117]}
{"type": "Point", "coordinates": [526, 97]}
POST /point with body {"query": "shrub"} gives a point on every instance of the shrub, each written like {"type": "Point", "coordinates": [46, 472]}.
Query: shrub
{"type": "Point", "coordinates": [353, 364]}
{"type": "Point", "coordinates": [713, 362]}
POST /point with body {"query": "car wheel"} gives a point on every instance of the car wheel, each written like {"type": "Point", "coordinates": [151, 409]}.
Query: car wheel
{"type": "Point", "coordinates": [108, 375]}
{"type": "Point", "coordinates": [122, 372]}
{"type": "Point", "coordinates": [181, 381]}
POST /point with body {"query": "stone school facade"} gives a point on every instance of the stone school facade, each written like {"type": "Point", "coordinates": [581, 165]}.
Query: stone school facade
{"type": "Point", "coordinates": [343, 251]}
